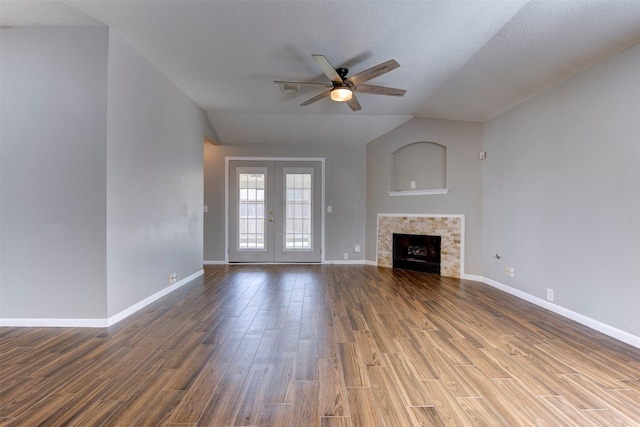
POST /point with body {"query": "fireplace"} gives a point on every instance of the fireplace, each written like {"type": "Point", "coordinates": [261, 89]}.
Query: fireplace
{"type": "Point", "coordinates": [449, 227]}
{"type": "Point", "coordinates": [416, 252]}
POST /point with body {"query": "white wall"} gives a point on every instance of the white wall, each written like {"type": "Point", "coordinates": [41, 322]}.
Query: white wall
{"type": "Point", "coordinates": [562, 194]}
{"type": "Point", "coordinates": [154, 179]}
{"type": "Point", "coordinates": [53, 174]}
{"type": "Point", "coordinates": [345, 192]}
{"type": "Point", "coordinates": [464, 180]}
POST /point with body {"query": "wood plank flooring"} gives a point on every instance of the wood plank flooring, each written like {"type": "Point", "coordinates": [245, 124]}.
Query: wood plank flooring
{"type": "Point", "coordinates": [329, 346]}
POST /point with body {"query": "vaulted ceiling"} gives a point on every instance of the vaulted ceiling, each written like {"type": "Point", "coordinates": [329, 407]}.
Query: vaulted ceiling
{"type": "Point", "coordinates": [459, 60]}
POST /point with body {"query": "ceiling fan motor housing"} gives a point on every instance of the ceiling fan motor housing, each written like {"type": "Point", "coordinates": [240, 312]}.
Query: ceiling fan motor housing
{"type": "Point", "coordinates": [342, 72]}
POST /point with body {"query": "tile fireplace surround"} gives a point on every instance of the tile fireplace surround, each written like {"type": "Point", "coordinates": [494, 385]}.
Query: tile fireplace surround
{"type": "Point", "coordinates": [449, 227]}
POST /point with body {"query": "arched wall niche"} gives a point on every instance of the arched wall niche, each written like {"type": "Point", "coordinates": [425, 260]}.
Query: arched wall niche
{"type": "Point", "coordinates": [419, 166]}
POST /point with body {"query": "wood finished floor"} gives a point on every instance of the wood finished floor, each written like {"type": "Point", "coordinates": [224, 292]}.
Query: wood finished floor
{"type": "Point", "coordinates": [329, 346]}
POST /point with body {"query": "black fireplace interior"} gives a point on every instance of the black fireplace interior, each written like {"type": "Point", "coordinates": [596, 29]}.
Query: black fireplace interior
{"type": "Point", "coordinates": [417, 252]}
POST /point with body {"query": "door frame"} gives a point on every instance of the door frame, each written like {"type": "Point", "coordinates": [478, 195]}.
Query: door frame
{"type": "Point", "coordinates": [273, 159]}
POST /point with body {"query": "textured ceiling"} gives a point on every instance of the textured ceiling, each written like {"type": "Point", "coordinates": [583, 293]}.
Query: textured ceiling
{"type": "Point", "coordinates": [462, 60]}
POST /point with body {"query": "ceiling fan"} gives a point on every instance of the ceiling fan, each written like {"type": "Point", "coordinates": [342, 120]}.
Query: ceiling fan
{"type": "Point", "coordinates": [342, 88]}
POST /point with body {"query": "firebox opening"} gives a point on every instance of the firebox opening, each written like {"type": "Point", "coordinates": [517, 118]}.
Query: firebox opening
{"type": "Point", "coordinates": [416, 252]}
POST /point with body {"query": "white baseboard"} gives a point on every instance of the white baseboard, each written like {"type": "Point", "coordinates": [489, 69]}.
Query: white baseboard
{"type": "Point", "coordinates": [373, 263]}
{"type": "Point", "coordinates": [54, 323]}
{"type": "Point", "coordinates": [98, 323]}
{"type": "Point", "coordinates": [474, 277]}
{"type": "Point", "coordinates": [148, 300]}
{"type": "Point", "coordinates": [577, 317]}
{"type": "Point", "coordinates": [345, 261]}
{"type": "Point", "coordinates": [340, 261]}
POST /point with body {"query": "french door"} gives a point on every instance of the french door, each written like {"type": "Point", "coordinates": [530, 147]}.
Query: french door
{"type": "Point", "coordinates": [275, 211]}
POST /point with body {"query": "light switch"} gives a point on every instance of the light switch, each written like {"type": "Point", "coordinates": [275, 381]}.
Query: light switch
{"type": "Point", "coordinates": [329, 209]}
{"type": "Point", "coordinates": [206, 208]}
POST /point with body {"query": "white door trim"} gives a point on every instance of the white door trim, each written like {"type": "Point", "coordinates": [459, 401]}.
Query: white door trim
{"type": "Point", "coordinates": [274, 159]}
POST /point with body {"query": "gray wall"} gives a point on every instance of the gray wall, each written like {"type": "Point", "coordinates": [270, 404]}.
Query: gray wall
{"type": "Point", "coordinates": [421, 163]}
{"type": "Point", "coordinates": [464, 180]}
{"type": "Point", "coordinates": [154, 179]}
{"type": "Point", "coordinates": [102, 166]}
{"type": "Point", "coordinates": [562, 193]}
{"type": "Point", "coordinates": [344, 191]}
{"type": "Point", "coordinates": [53, 174]}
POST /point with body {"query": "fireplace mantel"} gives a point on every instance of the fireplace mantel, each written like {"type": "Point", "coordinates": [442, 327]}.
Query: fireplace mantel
{"type": "Point", "coordinates": [449, 227]}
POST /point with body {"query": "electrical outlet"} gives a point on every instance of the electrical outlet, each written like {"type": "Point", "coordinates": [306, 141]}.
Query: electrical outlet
{"type": "Point", "coordinates": [512, 272]}
{"type": "Point", "coordinates": [507, 270]}
{"type": "Point", "coordinates": [413, 185]}
{"type": "Point", "coordinates": [549, 294]}
{"type": "Point", "coordinates": [356, 249]}
{"type": "Point", "coordinates": [346, 255]}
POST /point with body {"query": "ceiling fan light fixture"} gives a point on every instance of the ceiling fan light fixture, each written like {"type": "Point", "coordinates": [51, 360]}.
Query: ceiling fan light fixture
{"type": "Point", "coordinates": [341, 94]}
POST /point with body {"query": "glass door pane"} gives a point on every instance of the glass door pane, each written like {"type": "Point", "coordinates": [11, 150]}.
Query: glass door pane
{"type": "Point", "coordinates": [251, 210]}
{"type": "Point", "coordinates": [251, 220]}
{"type": "Point", "coordinates": [298, 209]}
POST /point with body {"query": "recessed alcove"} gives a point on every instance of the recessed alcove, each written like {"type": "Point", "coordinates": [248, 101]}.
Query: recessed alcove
{"type": "Point", "coordinates": [419, 168]}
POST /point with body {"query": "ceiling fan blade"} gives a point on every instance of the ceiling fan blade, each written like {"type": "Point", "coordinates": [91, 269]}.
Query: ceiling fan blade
{"type": "Point", "coordinates": [380, 90]}
{"type": "Point", "coordinates": [316, 98]}
{"type": "Point", "coordinates": [354, 104]}
{"type": "Point", "coordinates": [281, 82]}
{"type": "Point", "coordinates": [373, 72]}
{"type": "Point", "coordinates": [328, 69]}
